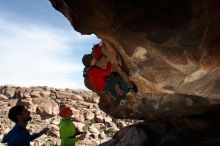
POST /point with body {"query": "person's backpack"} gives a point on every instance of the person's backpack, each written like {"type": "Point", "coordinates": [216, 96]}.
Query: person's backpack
{"type": "Point", "coordinates": [87, 81]}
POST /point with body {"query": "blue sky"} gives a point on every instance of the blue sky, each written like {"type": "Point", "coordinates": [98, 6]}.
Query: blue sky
{"type": "Point", "coordinates": [39, 47]}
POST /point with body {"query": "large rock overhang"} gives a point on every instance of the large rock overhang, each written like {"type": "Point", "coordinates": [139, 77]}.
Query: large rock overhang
{"type": "Point", "coordinates": [169, 49]}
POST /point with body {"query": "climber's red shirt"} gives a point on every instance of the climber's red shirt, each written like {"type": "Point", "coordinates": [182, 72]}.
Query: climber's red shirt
{"type": "Point", "coordinates": [97, 76]}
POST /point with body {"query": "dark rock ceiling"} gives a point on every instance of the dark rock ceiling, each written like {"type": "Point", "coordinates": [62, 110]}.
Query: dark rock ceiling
{"type": "Point", "coordinates": [170, 49]}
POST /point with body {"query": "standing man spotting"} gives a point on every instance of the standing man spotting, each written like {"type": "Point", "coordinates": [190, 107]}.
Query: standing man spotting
{"type": "Point", "coordinates": [19, 135]}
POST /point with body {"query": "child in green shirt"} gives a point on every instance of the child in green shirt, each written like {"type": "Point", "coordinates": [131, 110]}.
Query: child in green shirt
{"type": "Point", "coordinates": [67, 128]}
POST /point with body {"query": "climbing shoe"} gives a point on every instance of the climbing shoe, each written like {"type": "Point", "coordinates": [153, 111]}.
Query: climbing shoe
{"type": "Point", "coordinates": [130, 92]}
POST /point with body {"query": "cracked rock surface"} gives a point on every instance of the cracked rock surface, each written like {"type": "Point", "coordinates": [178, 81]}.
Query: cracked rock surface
{"type": "Point", "coordinates": [169, 49]}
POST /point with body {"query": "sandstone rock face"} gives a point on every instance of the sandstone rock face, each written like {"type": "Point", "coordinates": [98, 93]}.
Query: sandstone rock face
{"type": "Point", "coordinates": [48, 107]}
{"type": "Point", "coordinates": [169, 49]}
{"type": "Point", "coordinates": [133, 135]}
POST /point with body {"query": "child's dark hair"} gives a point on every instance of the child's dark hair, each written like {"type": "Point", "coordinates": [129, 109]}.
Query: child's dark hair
{"type": "Point", "coordinates": [86, 60]}
{"type": "Point", "coordinates": [14, 111]}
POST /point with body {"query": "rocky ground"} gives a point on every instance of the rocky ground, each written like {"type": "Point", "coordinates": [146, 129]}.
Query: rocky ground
{"type": "Point", "coordinates": [44, 102]}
